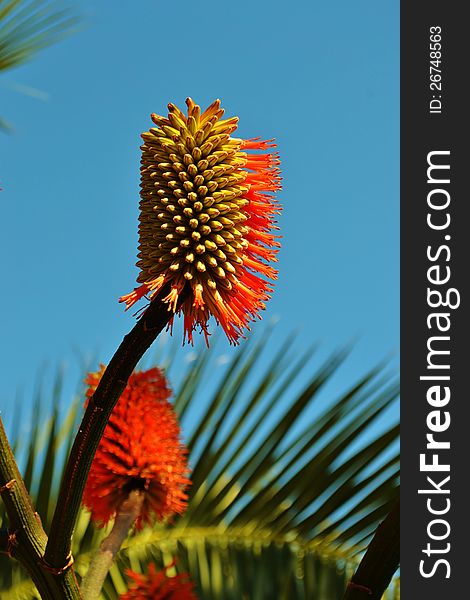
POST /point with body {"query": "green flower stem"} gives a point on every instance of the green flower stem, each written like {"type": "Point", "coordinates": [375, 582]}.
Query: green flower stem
{"type": "Point", "coordinates": [379, 563]}
{"type": "Point", "coordinates": [101, 563]}
{"type": "Point", "coordinates": [25, 539]}
{"type": "Point", "coordinates": [93, 424]}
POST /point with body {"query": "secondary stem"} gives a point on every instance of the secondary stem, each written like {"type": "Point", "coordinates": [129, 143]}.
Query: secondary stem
{"type": "Point", "coordinates": [379, 563]}
{"type": "Point", "coordinates": [25, 540]}
{"type": "Point", "coordinates": [101, 563]}
{"type": "Point", "coordinates": [98, 411]}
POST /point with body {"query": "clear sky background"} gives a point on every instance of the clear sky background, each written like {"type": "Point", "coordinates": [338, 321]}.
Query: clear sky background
{"type": "Point", "coordinates": [320, 77]}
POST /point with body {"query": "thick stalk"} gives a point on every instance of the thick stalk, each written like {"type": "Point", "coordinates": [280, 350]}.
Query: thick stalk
{"type": "Point", "coordinates": [101, 562]}
{"type": "Point", "coordinates": [25, 540]}
{"type": "Point", "coordinates": [379, 563]}
{"type": "Point", "coordinates": [98, 411]}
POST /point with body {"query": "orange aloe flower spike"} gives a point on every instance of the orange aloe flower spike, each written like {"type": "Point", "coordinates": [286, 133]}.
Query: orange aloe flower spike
{"type": "Point", "coordinates": [207, 219]}
{"type": "Point", "coordinates": [140, 450]}
{"type": "Point", "coordinates": [156, 585]}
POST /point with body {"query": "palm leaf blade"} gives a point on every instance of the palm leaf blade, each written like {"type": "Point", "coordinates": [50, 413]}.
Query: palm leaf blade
{"type": "Point", "coordinates": [280, 506]}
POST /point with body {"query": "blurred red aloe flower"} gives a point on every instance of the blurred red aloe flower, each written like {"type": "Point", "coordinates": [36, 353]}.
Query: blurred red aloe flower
{"type": "Point", "coordinates": [157, 586]}
{"type": "Point", "coordinates": [207, 215]}
{"type": "Point", "coordinates": [140, 450]}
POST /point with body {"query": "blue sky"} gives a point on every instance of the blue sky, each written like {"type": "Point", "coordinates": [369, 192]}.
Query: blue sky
{"type": "Point", "coordinates": [322, 78]}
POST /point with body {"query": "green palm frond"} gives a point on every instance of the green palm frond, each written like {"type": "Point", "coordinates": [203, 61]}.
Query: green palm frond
{"type": "Point", "coordinates": [26, 27]}
{"type": "Point", "coordinates": [290, 479]}
{"type": "Point", "coordinates": [5, 126]}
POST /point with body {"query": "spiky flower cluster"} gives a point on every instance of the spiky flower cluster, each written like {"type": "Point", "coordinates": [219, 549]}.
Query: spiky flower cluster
{"type": "Point", "coordinates": [157, 586]}
{"type": "Point", "coordinates": [207, 214]}
{"type": "Point", "coordinates": [140, 450]}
